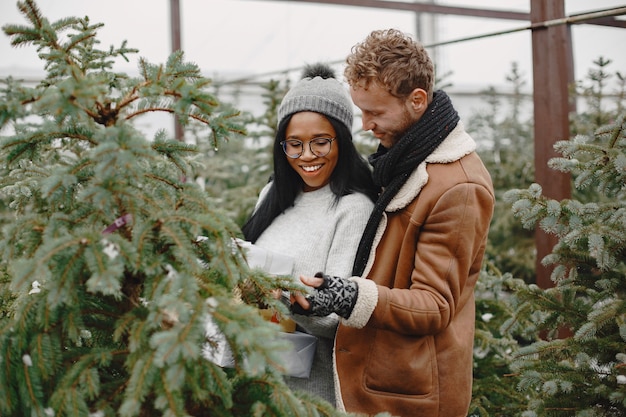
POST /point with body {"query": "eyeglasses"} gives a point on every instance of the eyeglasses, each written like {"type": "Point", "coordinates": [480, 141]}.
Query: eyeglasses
{"type": "Point", "coordinates": [294, 148]}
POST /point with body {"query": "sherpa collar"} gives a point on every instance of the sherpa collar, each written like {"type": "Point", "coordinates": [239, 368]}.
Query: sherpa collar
{"type": "Point", "coordinates": [454, 147]}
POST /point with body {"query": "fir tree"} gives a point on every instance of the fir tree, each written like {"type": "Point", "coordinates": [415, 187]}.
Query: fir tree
{"type": "Point", "coordinates": [582, 375]}
{"type": "Point", "coordinates": [594, 92]}
{"type": "Point", "coordinates": [513, 314]}
{"type": "Point", "coordinates": [238, 172]}
{"type": "Point", "coordinates": [494, 390]}
{"type": "Point", "coordinates": [115, 261]}
{"type": "Point", "coordinates": [506, 147]}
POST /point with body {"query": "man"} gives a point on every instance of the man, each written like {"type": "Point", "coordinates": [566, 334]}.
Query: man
{"type": "Point", "coordinates": [406, 338]}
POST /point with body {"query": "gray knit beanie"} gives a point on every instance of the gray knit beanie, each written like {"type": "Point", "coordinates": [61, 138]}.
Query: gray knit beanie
{"type": "Point", "coordinates": [318, 91]}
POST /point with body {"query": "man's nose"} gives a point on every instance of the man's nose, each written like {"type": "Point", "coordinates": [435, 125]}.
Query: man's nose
{"type": "Point", "coordinates": [367, 123]}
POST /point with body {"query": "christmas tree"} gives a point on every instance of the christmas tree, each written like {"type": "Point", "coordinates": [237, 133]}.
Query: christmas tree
{"type": "Point", "coordinates": [585, 374]}
{"type": "Point", "coordinates": [504, 133]}
{"type": "Point", "coordinates": [113, 262]}
{"type": "Point", "coordinates": [514, 317]}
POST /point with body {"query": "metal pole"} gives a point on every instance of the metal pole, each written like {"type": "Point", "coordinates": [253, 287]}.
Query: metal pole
{"type": "Point", "coordinates": [553, 73]}
{"type": "Point", "coordinates": [179, 133]}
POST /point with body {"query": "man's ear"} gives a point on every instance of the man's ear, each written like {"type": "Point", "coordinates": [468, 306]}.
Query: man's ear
{"type": "Point", "coordinates": [418, 100]}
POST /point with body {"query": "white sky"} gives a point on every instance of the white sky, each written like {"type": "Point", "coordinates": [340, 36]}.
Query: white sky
{"type": "Point", "coordinates": [230, 38]}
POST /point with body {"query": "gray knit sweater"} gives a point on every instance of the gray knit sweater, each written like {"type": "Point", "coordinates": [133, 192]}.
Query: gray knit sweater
{"type": "Point", "coordinates": [320, 236]}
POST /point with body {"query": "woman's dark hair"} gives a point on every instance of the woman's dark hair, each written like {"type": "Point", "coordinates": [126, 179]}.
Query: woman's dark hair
{"type": "Point", "coordinates": [351, 174]}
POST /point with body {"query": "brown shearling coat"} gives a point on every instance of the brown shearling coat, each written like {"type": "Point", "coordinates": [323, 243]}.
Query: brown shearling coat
{"type": "Point", "coordinates": [407, 347]}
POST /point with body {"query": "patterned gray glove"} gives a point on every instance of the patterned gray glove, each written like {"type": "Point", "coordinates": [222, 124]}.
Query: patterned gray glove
{"type": "Point", "coordinates": [335, 295]}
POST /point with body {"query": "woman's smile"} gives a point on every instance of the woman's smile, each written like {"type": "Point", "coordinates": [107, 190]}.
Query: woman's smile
{"type": "Point", "coordinates": [311, 168]}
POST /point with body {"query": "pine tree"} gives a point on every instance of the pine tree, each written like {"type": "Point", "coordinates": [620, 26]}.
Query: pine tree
{"type": "Point", "coordinates": [514, 317]}
{"type": "Point", "coordinates": [114, 259]}
{"type": "Point", "coordinates": [238, 172]}
{"type": "Point", "coordinates": [494, 391]}
{"type": "Point", "coordinates": [506, 147]}
{"type": "Point", "coordinates": [582, 375]}
{"type": "Point", "coordinates": [594, 92]}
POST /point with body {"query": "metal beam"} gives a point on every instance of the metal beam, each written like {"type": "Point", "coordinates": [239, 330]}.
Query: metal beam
{"type": "Point", "coordinates": [424, 8]}
{"type": "Point", "coordinates": [582, 18]}
{"type": "Point", "coordinates": [418, 7]}
{"type": "Point", "coordinates": [553, 73]}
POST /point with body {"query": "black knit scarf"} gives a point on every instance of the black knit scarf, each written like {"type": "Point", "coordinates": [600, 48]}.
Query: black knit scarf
{"type": "Point", "coordinates": [393, 166]}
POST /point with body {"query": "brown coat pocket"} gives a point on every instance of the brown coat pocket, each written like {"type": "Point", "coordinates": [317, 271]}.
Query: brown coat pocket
{"type": "Point", "coordinates": [402, 365]}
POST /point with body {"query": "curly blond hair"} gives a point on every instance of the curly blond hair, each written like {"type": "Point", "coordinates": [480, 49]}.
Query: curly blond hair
{"type": "Point", "coordinates": [392, 59]}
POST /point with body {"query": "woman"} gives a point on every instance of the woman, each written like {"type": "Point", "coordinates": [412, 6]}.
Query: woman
{"type": "Point", "coordinates": [317, 203]}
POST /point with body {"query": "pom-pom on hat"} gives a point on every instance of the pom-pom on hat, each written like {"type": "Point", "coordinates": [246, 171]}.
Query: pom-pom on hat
{"type": "Point", "coordinates": [318, 91]}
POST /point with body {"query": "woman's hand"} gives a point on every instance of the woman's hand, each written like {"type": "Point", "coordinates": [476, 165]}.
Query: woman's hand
{"type": "Point", "coordinates": [313, 282]}
{"type": "Point", "coordinates": [329, 295]}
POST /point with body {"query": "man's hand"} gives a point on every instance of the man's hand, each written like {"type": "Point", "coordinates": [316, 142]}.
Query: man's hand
{"type": "Point", "coordinates": [329, 295]}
